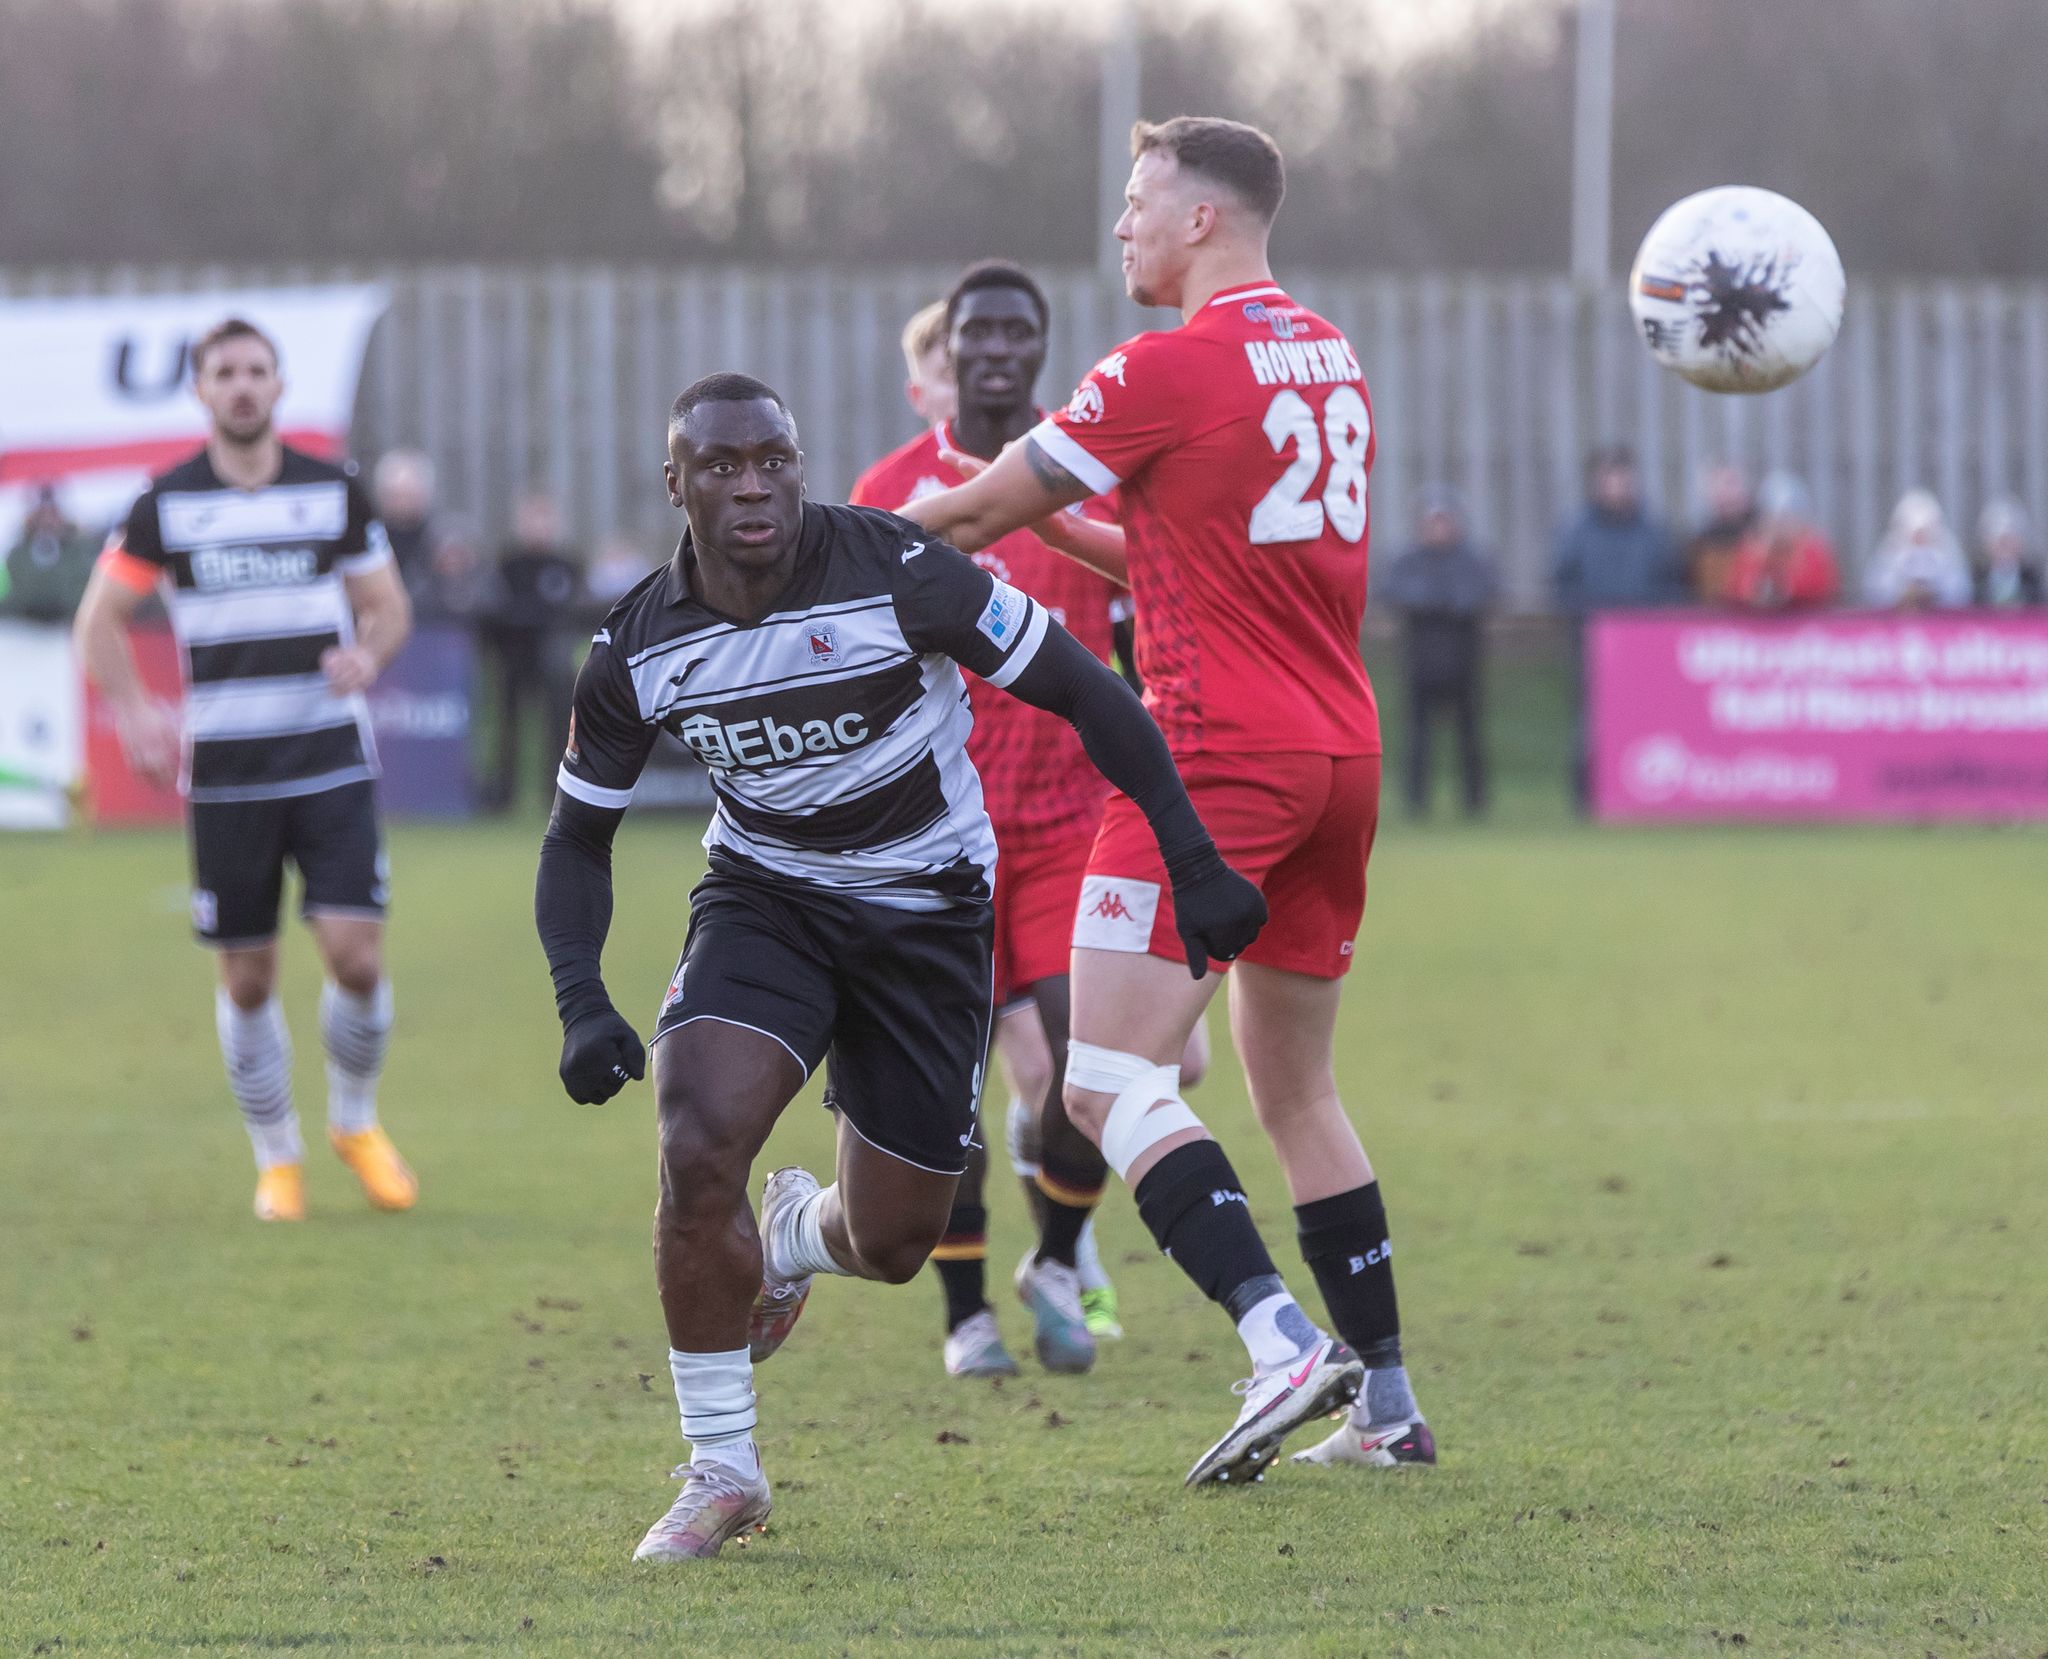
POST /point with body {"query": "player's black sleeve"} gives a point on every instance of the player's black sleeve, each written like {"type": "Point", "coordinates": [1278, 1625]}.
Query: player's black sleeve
{"type": "Point", "coordinates": [1067, 679]}
{"type": "Point", "coordinates": [142, 535]}
{"type": "Point", "coordinates": [1216, 910]}
{"type": "Point", "coordinates": [363, 545]}
{"type": "Point", "coordinates": [947, 603]}
{"type": "Point", "coordinates": [572, 901]}
{"type": "Point", "coordinates": [572, 895]}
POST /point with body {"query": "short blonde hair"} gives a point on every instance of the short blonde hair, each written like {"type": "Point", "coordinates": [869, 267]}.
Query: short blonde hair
{"type": "Point", "coordinates": [925, 331]}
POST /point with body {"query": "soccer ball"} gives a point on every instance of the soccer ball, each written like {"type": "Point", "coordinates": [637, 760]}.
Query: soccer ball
{"type": "Point", "coordinates": [1737, 289]}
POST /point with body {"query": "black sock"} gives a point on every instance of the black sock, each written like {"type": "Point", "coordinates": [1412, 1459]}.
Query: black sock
{"type": "Point", "coordinates": [1344, 1241]}
{"type": "Point", "coordinates": [1192, 1201]}
{"type": "Point", "coordinates": [961, 1257]}
{"type": "Point", "coordinates": [1067, 1198]}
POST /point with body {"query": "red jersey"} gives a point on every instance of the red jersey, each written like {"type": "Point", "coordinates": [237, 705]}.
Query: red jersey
{"type": "Point", "coordinates": [1037, 779]}
{"type": "Point", "coordinates": [1239, 445]}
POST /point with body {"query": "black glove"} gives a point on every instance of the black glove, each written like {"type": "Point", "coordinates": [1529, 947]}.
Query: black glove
{"type": "Point", "coordinates": [600, 1054]}
{"type": "Point", "coordinates": [1217, 911]}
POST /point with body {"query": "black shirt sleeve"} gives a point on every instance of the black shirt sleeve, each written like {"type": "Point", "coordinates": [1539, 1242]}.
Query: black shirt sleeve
{"type": "Point", "coordinates": [608, 741]}
{"type": "Point", "coordinates": [947, 603]}
{"type": "Point", "coordinates": [143, 535]}
{"type": "Point", "coordinates": [363, 545]}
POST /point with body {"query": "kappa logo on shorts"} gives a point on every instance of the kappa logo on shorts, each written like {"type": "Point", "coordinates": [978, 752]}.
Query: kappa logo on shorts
{"type": "Point", "coordinates": [205, 910]}
{"type": "Point", "coordinates": [675, 988]}
{"type": "Point", "coordinates": [1115, 913]}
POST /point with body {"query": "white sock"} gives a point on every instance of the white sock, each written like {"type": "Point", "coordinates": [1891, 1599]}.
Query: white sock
{"type": "Point", "coordinates": [257, 1048]}
{"type": "Point", "coordinates": [1088, 1260]}
{"type": "Point", "coordinates": [1275, 1330]}
{"type": "Point", "coordinates": [796, 1250]}
{"type": "Point", "coordinates": [355, 1030]}
{"type": "Point", "coordinates": [715, 1394]}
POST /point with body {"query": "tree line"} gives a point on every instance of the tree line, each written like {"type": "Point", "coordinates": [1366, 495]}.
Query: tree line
{"type": "Point", "coordinates": [522, 130]}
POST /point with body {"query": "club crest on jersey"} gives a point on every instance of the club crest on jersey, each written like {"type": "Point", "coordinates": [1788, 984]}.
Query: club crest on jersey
{"type": "Point", "coordinates": [824, 642]}
{"type": "Point", "coordinates": [1085, 406]}
{"type": "Point", "coordinates": [1283, 325]}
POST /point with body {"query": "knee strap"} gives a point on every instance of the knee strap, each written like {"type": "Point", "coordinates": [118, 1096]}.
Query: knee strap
{"type": "Point", "coordinates": [1135, 1124]}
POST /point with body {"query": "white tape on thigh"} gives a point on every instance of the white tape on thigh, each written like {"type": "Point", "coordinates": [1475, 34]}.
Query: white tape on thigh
{"type": "Point", "coordinates": [1146, 1106]}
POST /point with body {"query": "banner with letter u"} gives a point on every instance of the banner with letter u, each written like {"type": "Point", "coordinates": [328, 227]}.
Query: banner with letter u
{"type": "Point", "coordinates": [96, 394]}
{"type": "Point", "coordinates": [1908, 718]}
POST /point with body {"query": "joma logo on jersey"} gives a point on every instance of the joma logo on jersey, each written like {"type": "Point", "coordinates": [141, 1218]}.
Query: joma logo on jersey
{"type": "Point", "coordinates": [1303, 362]}
{"type": "Point", "coordinates": [766, 741]}
{"type": "Point", "coordinates": [254, 567]}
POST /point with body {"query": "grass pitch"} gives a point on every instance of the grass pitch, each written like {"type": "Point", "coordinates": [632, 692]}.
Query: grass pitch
{"type": "Point", "coordinates": [1717, 1176]}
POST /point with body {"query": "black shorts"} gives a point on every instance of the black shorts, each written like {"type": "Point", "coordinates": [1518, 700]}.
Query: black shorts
{"type": "Point", "coordinates": [895, 1002]}
{"type": "Point", "coordinates": [239, 850]}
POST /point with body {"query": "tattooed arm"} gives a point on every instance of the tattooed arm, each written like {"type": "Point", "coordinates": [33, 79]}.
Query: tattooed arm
{"type": "Point", "coordinates": [1086, 541]}
{"type": "Point", "coordinates": [1019, 487]}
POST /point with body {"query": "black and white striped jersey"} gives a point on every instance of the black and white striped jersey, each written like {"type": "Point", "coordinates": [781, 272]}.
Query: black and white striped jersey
{"type": "Point", "coordinates": [835, 728]}
{"type": "Point", "coordinates": [255, 595]}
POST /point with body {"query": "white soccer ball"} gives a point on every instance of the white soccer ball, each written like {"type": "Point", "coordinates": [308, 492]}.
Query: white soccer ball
{"type": "Point", "coordinates": [1737, 289]}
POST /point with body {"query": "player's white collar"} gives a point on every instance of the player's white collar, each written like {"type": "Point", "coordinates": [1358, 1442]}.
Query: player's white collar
{"type": "Point", "coordinates": [1231, 296]}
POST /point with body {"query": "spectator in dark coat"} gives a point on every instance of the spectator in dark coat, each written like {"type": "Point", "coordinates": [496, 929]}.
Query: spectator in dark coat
{"type": "Point", "coordinates": [1443, 587]}
{"type": "Point", "coordinates": [530, 632]}
{"type": "Point", "coordinates": [1612, 556]}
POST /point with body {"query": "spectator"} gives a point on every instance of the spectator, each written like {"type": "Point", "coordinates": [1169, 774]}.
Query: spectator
{"type": "Point", "coordinates": [1785, 563]}
{"type": "Point", "coordinates": [1612, 556]}
{"type": "Point", "coordinates": [1730, 516]}
{"type": "Point", "coordinates": [402, 485]}
{"type": "Point", "coordinates": [620, 562]}
{"type": "Point", "coordinates": [1917, 565]}
{"type": "Point", "coordinates": [44, 573]}
{"type": "Point", "coordinates": [2010, 571]}
{"type": "Point", "coordinates": [529, 631]}
{"type": "Point", "coordinates": [1442, 587]}
{"type": "Point", "coordinates": [457, 589]}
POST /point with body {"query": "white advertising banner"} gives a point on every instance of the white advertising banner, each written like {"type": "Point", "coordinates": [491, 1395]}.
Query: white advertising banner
{"type": "Point", "coordinates": [96, 394]}
{"type": "Point", "coordinates": [42, 727]}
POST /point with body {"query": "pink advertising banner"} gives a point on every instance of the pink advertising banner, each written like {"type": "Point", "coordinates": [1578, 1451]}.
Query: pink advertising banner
{"type": "Point", "coordinates": [1869, 717]}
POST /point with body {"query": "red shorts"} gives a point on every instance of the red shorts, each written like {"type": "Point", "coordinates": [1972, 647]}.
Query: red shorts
{"type": "Point", "coordinates": [1299, 825]}
{"type": "Point", "coordinates": [1038, 883]}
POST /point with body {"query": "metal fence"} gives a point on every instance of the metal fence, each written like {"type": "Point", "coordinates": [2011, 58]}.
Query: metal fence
{"type": "Point", "coordinates": [559, 379]}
